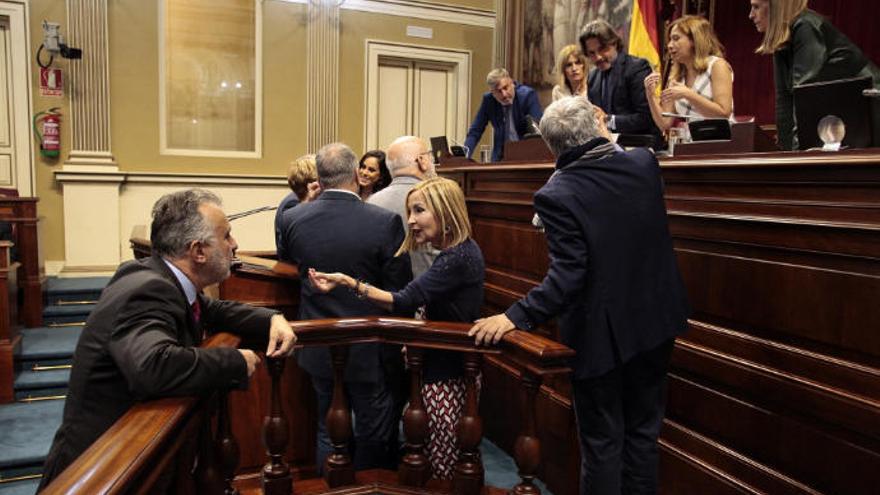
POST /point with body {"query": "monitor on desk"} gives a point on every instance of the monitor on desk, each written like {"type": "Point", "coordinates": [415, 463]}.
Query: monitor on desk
{"type": "Point", "coordinates": [841, 98]}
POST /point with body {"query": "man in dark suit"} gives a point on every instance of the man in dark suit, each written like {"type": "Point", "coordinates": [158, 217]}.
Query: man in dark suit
{"type": "Point", "coordinates": [616, 83]}
{"type": "Point", "coordinates": [340, 233]}
{"type": "Point", "coordinates": [614, 284]}
{"type": "Point", "coordinates": [141, 340]}
{"type": "Point", "coordinates": [506, 106]}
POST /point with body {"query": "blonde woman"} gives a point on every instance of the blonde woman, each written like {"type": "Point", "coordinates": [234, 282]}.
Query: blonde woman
{"type": "Point", "coordinates": [302, 177]}
{"type": "Point", "coordinates": [806, 48]}
{"type": "Point", "coordinates": [451, 290]}
{"type": "Point", "coordinates": [700, 82]}
{"type": "Point", "coordinates": [572, 67]}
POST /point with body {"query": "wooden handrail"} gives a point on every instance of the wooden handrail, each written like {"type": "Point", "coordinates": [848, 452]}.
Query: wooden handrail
{"type": "Point", "coordinates": [131, 452]}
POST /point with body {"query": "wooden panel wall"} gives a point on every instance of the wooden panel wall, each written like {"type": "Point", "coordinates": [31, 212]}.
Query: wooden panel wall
{"type": "Point", "coordinates": [776, 386]}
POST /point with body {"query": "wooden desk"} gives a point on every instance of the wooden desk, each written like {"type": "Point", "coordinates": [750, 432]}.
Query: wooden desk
{"type": "Point", "coordinates": [23, 213]}
{"type": "Point", "coordinates": [776, 387]}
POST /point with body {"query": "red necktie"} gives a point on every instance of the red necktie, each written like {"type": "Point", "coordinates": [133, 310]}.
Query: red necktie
{"type": "Point", "coordinates": [197, 311]}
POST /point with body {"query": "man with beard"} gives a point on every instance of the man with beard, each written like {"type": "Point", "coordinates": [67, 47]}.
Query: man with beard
{"type": "Point", "coordinates": [141, 340]}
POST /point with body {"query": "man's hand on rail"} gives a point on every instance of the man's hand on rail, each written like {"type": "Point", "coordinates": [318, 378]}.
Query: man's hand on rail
{"type": "Point", "coordinates": [490, 330]}
{"type": "Point", "coordinates": [281, 338]}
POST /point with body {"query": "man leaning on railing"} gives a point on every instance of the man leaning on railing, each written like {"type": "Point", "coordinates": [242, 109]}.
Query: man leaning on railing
{"type": "Point", "coordinates": [140, 342]}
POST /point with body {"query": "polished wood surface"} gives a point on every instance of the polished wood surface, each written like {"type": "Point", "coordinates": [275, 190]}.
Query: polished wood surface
{"type": "Point", "coordinates": [22, 213]}
{"type": "Point", "coordinates": [9, 336]}
{"type": "Point", "coordinates": [775, 387]}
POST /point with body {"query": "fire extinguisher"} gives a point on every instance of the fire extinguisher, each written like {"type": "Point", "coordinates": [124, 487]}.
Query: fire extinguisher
{"type": "Point", "coordinates": [50, 138]}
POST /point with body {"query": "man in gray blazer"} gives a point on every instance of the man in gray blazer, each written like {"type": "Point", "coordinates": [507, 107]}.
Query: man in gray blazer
{"type": "Point", "coordinates": [141, 340]}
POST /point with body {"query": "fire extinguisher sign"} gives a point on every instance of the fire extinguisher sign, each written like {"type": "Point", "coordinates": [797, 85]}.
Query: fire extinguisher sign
{"type": "Point", "coordinates": [50, 82]}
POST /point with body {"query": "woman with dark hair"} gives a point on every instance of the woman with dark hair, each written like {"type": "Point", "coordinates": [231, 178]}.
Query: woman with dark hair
{"type": "Point", "coordinates": [700, 83]}
{"type": "Point", "coordinates": [806, 48]}
{"type": "Point", "coordinates": [451, 290]}
{"type": "Point", "coordinates": [373, 174]}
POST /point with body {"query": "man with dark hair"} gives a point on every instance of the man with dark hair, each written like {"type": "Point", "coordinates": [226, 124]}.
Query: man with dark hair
{"type": "Point", "coordinates": [340, 233]}
{"type": "Point", "coordinates": [506, 105]}
{"type": "Point", "coordinates": [141, 340]}
{"type": "Point", "coordinates": [616, 83]}
{"type": "Point", "coordinates": [614, 284]}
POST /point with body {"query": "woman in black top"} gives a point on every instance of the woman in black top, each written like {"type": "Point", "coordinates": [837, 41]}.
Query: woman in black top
{"type": "Point", "coordinates": [806, 48]}
{"type": "Point", "coordinates": [451, 290]}
{"type": "Point", "coordinates": [373, 174]}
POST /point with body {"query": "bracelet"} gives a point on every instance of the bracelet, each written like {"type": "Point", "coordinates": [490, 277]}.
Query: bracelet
{"type": "Point", "coordinates": [357, 286]}
{"type": "Point", "coordinates": [363, 294]}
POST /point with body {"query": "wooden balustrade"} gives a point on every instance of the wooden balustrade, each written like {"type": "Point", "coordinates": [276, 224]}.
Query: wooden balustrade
{"type": "Point", "coordinates": [154, 443]}
{"type": "Point", "coordinates": [9, 337]}
{"type": "Point", "coordinates": [22, 213]}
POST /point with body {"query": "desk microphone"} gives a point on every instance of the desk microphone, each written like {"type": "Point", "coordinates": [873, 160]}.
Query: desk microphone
{"type": "Point", "coordinates": [247, 213]}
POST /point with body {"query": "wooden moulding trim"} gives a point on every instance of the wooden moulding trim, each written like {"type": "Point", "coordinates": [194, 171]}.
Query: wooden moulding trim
{"type": "Point", "coordinates": [500, 362]}
{"type": "Point", "coordinates": [775, 159]}
{"type": "Point", "coordinates": [775, 220]}
{"type": "Point", "coordinates": [527, 348]}
{"type": "Point", "coordinates": [691, 446]}
{"type": "Point", "coordinates": [131, 447]}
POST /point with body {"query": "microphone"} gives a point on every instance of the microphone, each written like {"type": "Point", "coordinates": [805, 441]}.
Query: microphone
{"type": "Point", "coordinates": [532, 129]}
{"type": "Point", "coordinates": [247, 213]}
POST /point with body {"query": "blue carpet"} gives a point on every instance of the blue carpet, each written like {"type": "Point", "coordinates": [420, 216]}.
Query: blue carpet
{"type": "Point", "coordinates": [500, 468]}
{"type": "Point", "coordinates": [45, 343]}
{"type": "Point", "coordinates": [27, 431]}
{"type": "Point", "coordinates": [76, 285]}
{"type": "Point", "coordinates": [41, 379]}
{"type": "Point", "coordinates": [74, 309]}
{"type": "Point", "coordinates": [25, 487]}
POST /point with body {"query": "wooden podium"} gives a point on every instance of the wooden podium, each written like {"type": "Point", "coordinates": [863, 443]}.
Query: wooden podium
{"type": "Point", "coordinates": [745, 137]}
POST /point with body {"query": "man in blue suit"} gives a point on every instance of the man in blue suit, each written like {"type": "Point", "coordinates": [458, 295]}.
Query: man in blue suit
{"type": "Point", "coordinates": [614, 284]}
{"type": "Point", "coordinates": [616, 83]}
{"type": "Point", "coordinates": [506, 106]}
{"type": "Point", "coordinates": [340, 233]}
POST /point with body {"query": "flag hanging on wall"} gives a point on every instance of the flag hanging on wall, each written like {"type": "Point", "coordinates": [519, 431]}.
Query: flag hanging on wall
{"type": "Point", "coordinates": [644, 41]}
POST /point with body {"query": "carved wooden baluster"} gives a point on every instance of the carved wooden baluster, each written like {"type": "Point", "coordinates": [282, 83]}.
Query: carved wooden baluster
{"type": "Point", "coordinates": [209, 479]}
{"type": "Point", "coordinates": [527, 451]}
{"type": "Point", "coordinates": [276, 477]}
{"type": "Point", "coordinates": [338, 469]}
{"type": "Point", "coordinates": [227, 446]}
{"type": "Point", "coordinates": [467, 478]}
{"type": "Point", "coordinates": [415, 470]}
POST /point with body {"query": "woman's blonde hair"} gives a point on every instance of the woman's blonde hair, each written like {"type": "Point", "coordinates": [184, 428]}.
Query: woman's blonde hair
{"type": "Point", "coordinates": [301, 172]}
{"type": "Point", "coordinates": [562, 59]}
{"type": "Point", "coordinates": [780, 15]}
{"type": "Point", "coordinates": [445, 200]}
{"type": "Point", "coordinates": [706, 44]}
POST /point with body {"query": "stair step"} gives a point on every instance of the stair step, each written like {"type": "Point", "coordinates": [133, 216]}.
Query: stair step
{"type": "Point", "coordinates": [66, 314]}
{"type": "Point", "coordinates": [29, 380]}
{"type": "Point", "coordinates": [44, 343]}
{"type": "Point", "coordinates": [41, 394]}
{"type": "Point", "coordinates": [75, 285]}
{"type": "Point", "coordinates": [26, 432]}
{"type": "Point", "coordinates": [22, 487]}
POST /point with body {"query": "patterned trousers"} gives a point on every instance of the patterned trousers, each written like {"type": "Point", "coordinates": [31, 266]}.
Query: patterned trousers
{"type": "Point", "coordinates": [444, 402]}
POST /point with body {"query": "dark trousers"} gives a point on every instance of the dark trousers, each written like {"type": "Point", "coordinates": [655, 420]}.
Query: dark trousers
{"type": "Point", "coordinates": [376, 420]}
{"type": "Point", "coordinates": [619, 415]}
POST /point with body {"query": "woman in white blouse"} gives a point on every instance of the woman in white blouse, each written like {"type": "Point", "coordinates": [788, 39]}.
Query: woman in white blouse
{"type": "Point", "coordinates": [700, 83]}
{"type": "Point", "coordinates": [572, 67]}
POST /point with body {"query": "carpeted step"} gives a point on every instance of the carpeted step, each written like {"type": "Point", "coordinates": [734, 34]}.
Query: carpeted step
{"type": "Point", "coordinates": [66, 314]}
{"type": "Point", "coordinates": [23, 487]}
{"type": "Point", "coordinates": [74, 289]}
{"type": "Point", "coordinates": [40, 394]}
{"type": "Point", "coordinates": [40, 345]}
{"type": "Point", "coordinates": [26, 432]}
{"type": "Point", "coordinates": [31, 380]}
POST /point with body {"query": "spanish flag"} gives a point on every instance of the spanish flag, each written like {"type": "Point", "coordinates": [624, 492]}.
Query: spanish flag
{"type": "Point", "coordinates": [644, 41]}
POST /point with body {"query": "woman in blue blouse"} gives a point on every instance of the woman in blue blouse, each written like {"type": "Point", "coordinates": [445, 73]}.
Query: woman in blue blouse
{"type": "Point", "coordinates": [451, 290]}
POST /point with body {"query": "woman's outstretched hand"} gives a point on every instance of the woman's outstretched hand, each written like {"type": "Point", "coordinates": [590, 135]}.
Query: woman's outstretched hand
{"type": "Point", "coordinates": [325, 282]}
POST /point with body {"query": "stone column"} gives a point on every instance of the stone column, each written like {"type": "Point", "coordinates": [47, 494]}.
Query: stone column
{"type": "Point", "coordinates": [323, 72]}
{"type": "Point", "coordinates": [90, 179]}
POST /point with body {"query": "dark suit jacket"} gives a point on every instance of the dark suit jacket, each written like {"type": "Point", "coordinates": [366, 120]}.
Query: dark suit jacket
{"type": "Point", "coordinates": [139, 343]}
{"type": "Point", "coordinates": [340, 233]}
{"type": "Point", "coordinates": [613, 280]}
{"type": "Point", "coordinates": [525, 102]}
{"type": "Point", "coordinates": [628, 102]}
{"type": "Point", "coordinates": [287, 203]}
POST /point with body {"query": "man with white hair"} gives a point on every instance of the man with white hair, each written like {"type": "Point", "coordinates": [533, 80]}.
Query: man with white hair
{"type": "Point", "coordinates": [506, 106]}
{"type": "Point", "coordinates": [614, 285]}
{"type": "Point", "coordinates": [409, 161]}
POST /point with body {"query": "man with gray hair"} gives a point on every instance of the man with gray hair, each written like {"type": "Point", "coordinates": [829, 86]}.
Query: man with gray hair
{"type": "Point", "coordinates": [340, 233]}
{"type": "Point", "coordinates": [506, 106]}
{"type": "Point", "coordinates": [614, 285]}
{"type": "Point", "coordinates": [409, 162]}
{"type": "Point", "coordinates": [141, 340]}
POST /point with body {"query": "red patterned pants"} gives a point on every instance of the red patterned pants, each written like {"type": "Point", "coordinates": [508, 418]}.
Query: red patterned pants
{"type": "Point", "coordinates": [444, 402]}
